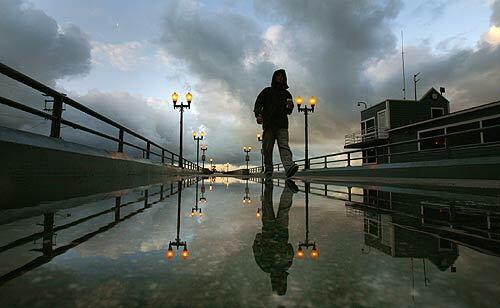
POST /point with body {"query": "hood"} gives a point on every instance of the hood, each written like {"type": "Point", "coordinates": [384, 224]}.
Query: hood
{"type": "Point", "coordinates": [273, 82]}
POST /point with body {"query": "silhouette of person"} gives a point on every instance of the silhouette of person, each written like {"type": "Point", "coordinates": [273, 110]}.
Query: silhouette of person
{"type": "Point", "coordinates": [271, 109]}
{"type": "Point", "coordinates": [272, 251]}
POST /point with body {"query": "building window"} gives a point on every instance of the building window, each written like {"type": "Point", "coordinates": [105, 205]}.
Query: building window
{"type": "Point", "coordinates": [432, 143]}
{"type": "Point", "coordinates": [463, 138]}
{"type": "Point", "coordinates": [371, 227]}
{"type": "Point", "coordinates": [437, 112]}
{"type": "Point", "coordinates": [368, 127]}
{"type": "Point", "coordinates": [491, 134]}
{"type": "Point", "coordinates": [369, 156]}
{"type": "Point", "coordinates": [445, 245]}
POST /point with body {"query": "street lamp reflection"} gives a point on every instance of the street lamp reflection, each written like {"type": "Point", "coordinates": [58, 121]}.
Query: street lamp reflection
{"type": "Point", "coordinates": [169, 254]}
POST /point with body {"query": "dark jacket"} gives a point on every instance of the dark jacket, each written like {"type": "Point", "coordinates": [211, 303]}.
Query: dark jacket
{"type": "Point", "coordinates": [271, 104]}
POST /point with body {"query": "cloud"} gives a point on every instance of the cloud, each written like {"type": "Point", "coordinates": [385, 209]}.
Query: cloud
{"type": "Point", "coordinates": [124, 56]}
{"type": "Point", "coordinates": [34, 43]}
{"type": "Point", "coordinates": [495, 15]}
{"type": "Point", "coordinates": [323, 45]}
{"type": "Point", "coordinates": [493, 36]}
{"type": "Point", "coordinates": [340, 51]}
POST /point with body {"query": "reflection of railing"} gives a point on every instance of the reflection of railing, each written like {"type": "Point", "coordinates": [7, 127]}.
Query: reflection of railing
{"type": "Point", "coordinates": [49, 253]}
{"type": "Point", "coordinates": [369, 134]}
{"type": "Point", "coordinates": [58, 99]}
{"type": "Point", "coordinates": [476, 228]}
{"type": "Point", "coordinates": [381, 152]}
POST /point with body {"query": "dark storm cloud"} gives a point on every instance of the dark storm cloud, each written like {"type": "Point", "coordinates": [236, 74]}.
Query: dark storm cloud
{"type": "Point", "coordinates": [34, 43]}
{"type": "Point", "coordinates": [335, 40]}
{"type": "Point", "coordinates": [332, 41]}
{"type": "Point", "coordinates": [495, 16]}
{"type": "Point", "coordinates": [215, 46]}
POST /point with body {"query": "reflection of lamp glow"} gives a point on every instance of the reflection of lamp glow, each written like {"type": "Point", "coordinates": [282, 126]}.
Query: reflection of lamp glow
{"type": "Point", "coordinates": [170, 253]}
{"type": "Point", "coordinates": [314, 253]}
{"type": "Point", "coordinates": [300, 253]}
{"type": "Point", "coordinates": [247, 200]}
{"type": "Point", "coordinates": [185, 254]}
{"type": "Point", "coordinates": [258, 213]}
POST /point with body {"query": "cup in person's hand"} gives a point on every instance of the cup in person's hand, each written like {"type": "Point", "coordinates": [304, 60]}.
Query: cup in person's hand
{"type": "Point", "coordinates": [289, 103]}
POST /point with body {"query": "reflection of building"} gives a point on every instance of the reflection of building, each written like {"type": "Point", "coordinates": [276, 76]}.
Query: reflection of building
{"type": "Point", "coordinates": [383, 235]}
{"type": "Point", "coordinates": [418, 226]}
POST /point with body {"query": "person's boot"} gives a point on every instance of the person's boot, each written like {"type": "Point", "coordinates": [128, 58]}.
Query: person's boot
{"type": "Point", "coordinates": [291, 172]}
{"type": "Point", "coordinates": [292, 186]}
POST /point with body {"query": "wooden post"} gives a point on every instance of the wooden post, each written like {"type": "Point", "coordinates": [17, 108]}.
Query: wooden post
{"type": "Point", "coordinates": [120, 144]}
{"type": "Point", "coordinates": [55, 128]}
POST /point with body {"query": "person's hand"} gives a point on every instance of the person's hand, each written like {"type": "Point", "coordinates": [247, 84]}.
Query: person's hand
{"type": "Point", "coordinates": [289, 103]}
{"type": "Point", "coordinates": [260, 119]}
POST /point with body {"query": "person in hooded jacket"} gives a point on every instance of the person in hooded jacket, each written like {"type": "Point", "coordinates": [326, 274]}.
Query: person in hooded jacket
{"type": "Point", "coordinates": [272, 107]}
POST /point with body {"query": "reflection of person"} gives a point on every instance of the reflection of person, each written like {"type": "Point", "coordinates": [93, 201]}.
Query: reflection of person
{"type": "Point", "coordinates": [272, 107]}
{"type": "Point", "coordinates": [272, 251]}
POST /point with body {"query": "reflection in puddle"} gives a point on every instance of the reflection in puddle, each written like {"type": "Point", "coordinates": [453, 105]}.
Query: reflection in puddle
{"type": "Point", "coordinates": [310, 244]}
{"type": "Point", "coordinates": [272, 251]}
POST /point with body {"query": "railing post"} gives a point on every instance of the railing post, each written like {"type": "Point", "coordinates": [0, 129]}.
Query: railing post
{"type": "Point", "coordinates": [148, 149]}
{"type": "Point", "coordinates": [162, 156]}
{"type": "Point", "coordinates": [278, 167]}
{"type": "Point", "coordinates": [349, 159]}
{"type": "Point", "coordinates": [120, 144]}
{"type": "Point", "coordinates": [326, 163]}
{"type": "Point", "coordinates": [55, 128]}
{"type": "Point", "coordinates": [173, 161]}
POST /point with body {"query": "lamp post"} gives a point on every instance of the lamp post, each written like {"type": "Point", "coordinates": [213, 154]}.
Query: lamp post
{"type": "Point", "coordinates": [196, 211]}
{"type": "Point", "coordinates": [203, 199]}
{"type": "Point", "coordinates": [181, 107]}
{"type": "Point", "coordinates": [177, 242]}
{"type": "Point", "coordinates": [247, 150]}
{"type": "Point", "coordinates": [197, 140]}
{"type": "Point", "coordinates": [306, 244]}
{"type": "Point", "coordinates": [362, 103]}
{"type": "Point", "coordinates": [259, 139]}
{"type": "Point", "coordinates": [203, 157]}
{"type": "Point", "coordinates": [212, 164]}
{"type": "Point", "coordinates": [246, 198]}
{"type": "Point", "coordinates": [306, 110]}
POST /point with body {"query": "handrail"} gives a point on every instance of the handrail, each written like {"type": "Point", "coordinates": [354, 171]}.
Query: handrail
{"type": "Point", "coordinates": [371, 133]}
{"type": "Point", "coordinates": [325, 158]}
{"type": "Point", "coordinates": [56, 118]}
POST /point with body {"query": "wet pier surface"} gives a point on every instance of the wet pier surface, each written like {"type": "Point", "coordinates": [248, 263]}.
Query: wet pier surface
{"type": "Point", "coordinates": [228, 242]}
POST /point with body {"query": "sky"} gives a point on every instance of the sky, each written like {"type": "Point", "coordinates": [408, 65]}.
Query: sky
{"type": "Point", "coordinates": [125, 58]}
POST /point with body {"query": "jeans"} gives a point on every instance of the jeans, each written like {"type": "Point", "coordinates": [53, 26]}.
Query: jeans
{"type": "Point", "coordinates": [268, 139]}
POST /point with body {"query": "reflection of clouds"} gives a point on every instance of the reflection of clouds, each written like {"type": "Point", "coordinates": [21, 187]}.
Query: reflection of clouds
{"type": "Point", "coordinates": [221, 265]}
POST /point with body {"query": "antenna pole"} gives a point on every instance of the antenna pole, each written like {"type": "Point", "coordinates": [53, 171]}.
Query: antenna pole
{"type": "Point", "coordinates": [403, 62]}
{"type": "Point", "coordinates": [415, 80]}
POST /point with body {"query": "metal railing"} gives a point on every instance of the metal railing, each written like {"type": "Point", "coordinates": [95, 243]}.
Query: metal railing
{"type": "Point", "coordinates": [384, 152]}
{"type": "Point", "coordinates": [371, 133]}
{"type": "Point", "coordinates": [57, 120]}
{"type": "Point", "coordinates": [50, 231]}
